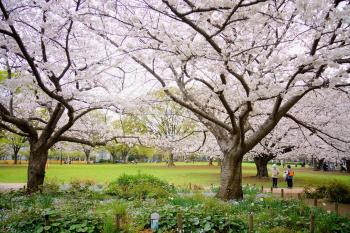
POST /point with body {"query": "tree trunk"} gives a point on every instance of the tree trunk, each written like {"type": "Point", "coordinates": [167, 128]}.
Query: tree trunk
{"type": "Point", "coordinates": [231, 177]}
{"type": "Point", "coordinates": [319, 164]}
{"type": "Point", "coordinates": [261, 165]}
{"type": "Point", "coordinates": [15, 154]}
{"type": "Point", "coordinates": [87, 155]}
{"type": "Point", "coordinates": [211, 162]}
{"type": "Point", "coordinates": [61, 158]}
{"type": "Point", "coordinates": [126, 157]}
{"type": "Point", "coordinates": [171, 160]}
{"type": "Point", "coordinates": [36, 169]}
{"type": "Point", "coordinates": [15, 157]}
{"type": "Point", "coordinates": [114, 157]}
{"type": "Point", "coordinates": [347, 164]}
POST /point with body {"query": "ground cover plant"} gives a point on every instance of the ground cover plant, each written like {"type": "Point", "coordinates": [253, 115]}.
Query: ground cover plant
{"type": "Point", "coordinates": [82, 206]}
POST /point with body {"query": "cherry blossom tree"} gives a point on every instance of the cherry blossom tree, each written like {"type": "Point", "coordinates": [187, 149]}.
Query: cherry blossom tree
{"type": "Point", "coordinates": [56, 74]}
{"type": "Point", "coordinates": [323, 127]}
{"type": "Point", "coordinates": [15, 142]}
{"type": "Point", "coordinates": [230, 58]}
{"type": "Point", "coordinates": [168, 126]}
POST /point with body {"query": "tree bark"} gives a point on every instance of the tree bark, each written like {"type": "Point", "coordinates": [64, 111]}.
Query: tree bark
{"type": "Point", "coordinates": [126, 157]}
{"type": "Point", "coordinates": [211, 162]}
{"type": "Point", "coordinates": [61, 158]}
{"type": "Point", "coordinates": [87, 155]}
{"type": "Point", "coordinates": [319, 164]}
{"type": "Point", "coordinates": [36, 169]}
{"type": "Point", "coordinates": [87, 158]}
{"type": "Point", "coordinates": [114, 157]}
{"type": "Point", "coordinates": [171, 160]}
{"type": "Point", "coordinates": [261, 164]}
{"type": "Point", "coordinates": [15, 157]}
{"type": "Point", "coordinates": [15, 153]}
{"type": "Point", "coordinates": [231, 177]}
{"type": "Point", "coordinates": [347, 163]}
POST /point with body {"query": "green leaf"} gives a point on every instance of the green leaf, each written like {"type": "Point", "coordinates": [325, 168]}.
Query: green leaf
{"type": "Point", "coordinates": [40, 229]}
{"type": "Point", "coordinates": [46, 228]}
{"type": "Point", "coordinates": [55, 224]}
{"type": "Point", "coordinates": [207, 226]}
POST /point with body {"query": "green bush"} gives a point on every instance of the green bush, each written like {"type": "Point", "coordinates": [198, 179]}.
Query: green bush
{"type": "Point", "coordinates": [331, 223]}
{"type": "Point", "coordinates": [81, 185]}
{"type": "Point", "coordinates": [338, 192]}
{"type": "Point", "coordinates": [51, 186]}
{"type": "Point", "coordinates": [318, 192]}
{"type": "Point", "coordinates": [140, 186]}
{"type": "Point", "coordinates": [52, 220]}
{"type": "Point", "coordinates": [334, 191]}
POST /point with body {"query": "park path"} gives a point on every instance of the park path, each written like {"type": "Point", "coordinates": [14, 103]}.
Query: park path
{"type": "Point", "coordinates": [11, 186]}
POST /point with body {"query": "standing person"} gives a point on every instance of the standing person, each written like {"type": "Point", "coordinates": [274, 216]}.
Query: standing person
{"type": "Point", "coordinates": [289, 174]}
{"type": "Point", "coordinates": [274, 175]}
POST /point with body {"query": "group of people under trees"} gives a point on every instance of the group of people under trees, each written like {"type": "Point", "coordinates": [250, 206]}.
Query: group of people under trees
{"type": "Point", "coordinates": [287, 175]}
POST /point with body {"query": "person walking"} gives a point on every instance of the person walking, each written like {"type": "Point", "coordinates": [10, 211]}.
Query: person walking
{"type": "Point", "coordinates": [289, 174]}
{"type": "Point", "coordinates": [274, 175]}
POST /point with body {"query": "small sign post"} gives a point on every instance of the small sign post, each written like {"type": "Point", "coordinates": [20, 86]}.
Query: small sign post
{"type": "Point", "coordinates": [155, 221]}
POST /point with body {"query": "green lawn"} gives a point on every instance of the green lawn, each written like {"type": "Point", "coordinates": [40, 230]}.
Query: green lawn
{"type": "Point", "coordinates": [182, 174]}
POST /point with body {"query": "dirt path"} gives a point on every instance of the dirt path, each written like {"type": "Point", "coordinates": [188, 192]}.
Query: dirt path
{"type": "Point", "coordinates": [11, 186]}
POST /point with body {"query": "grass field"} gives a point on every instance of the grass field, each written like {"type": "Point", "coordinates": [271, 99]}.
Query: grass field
{"type": "Point", "coordinates": [182, 174]}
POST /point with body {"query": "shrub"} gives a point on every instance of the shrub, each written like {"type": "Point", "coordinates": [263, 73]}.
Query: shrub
{"type": "Point", "coordinates": [318, 192]}
{"type": "Point", "coordinates": [51, 186]}
{"type": "Point", "coordinates": [52, 220]}
{"type": "Point", "coordinates": [81, 185]}
{"type": "Point", "coordinates": [140, 186]}
{"type": "Point", "coordinates": [338, 192]}
{"type": "Point", "coordinates": [334, 191]}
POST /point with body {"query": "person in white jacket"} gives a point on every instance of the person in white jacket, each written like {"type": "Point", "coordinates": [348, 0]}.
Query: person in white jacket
{"type": "Point", "coordinates": [274, 174]}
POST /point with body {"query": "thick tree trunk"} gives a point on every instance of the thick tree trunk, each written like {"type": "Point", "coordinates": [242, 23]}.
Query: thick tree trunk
{"type": "Point", "coordinates": [261, 165]}
{"type": "Point", "coordinates": [318, 164]}
{"type": "Point", "coordinates": [231, 177]}
{"type": "Point", "coordinates": [36, 169]}
{"type": "Point", "coordinates": [171, 160]}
